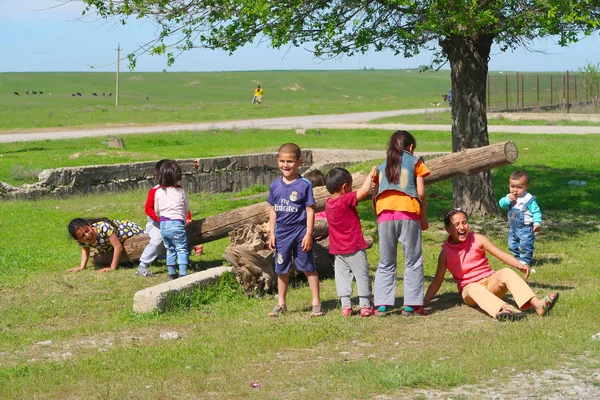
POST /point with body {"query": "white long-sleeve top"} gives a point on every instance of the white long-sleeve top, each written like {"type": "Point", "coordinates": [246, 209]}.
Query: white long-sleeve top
{"type": "Point", "coordinates": [171, 202]}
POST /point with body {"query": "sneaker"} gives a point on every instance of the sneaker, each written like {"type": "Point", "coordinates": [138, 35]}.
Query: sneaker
{"type": "Point", "coordinates": [173, 277]}
{"type": "Point", "coordinates": [381, 311]}
{"type": "Point", "coordinates": [367, 311]}
{"type": "Point", "coordinates": [409, 311]}
{"type": "Point", "coordinates": [346, 312]}
{"type": "Point", "coordinates": [145, 272]}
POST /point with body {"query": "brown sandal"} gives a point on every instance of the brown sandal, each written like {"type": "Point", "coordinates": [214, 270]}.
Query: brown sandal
{"type": "Point", "coordinates": [278, 310]}
{"type": "Point", "coordinates": [316, 311]}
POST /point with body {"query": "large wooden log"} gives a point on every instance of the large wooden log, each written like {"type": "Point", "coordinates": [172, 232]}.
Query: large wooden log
{"type": "Point", "coordinates": [466, 162]}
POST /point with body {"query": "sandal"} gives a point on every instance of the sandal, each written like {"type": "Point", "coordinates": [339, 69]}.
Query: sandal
{"type": "Point", "coordinates": [549, 302]}
{"type": "Point", "coordinates": [510, 314]}
{"type": "Point", "coordinates": [317, 312]}
{"type": "Point", "coordinates": [278, 310]}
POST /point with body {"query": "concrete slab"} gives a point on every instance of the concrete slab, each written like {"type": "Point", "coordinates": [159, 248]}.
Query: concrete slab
{"type": "Point", "coordinates": [157, 297]}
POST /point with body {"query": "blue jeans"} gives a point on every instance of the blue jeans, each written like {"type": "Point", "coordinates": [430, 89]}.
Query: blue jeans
{"type": "Point", "coordinates": [175, 240]}
{"type": "Point", "coordinates": [520, 242]}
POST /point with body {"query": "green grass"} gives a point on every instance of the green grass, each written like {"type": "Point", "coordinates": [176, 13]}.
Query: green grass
{"type": "Point", "coordinates": [100, 349]}
{"type": "Point", "coordinates": [21, 162]}
{"type": "Point", "coordinates": [445, 118]}
{"type": "Point", "coordinates": [201, 97]}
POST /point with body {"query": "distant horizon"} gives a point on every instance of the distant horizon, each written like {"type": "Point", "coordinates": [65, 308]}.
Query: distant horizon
{"type": "Point", "coordinates": [46, 38]}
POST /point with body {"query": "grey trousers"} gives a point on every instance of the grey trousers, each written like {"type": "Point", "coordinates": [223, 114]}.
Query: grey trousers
{"type": "Point", "coordinates": [154, 247]}
{"type": "Point", "coordinates": [408, 234]}
{"type": "Point", "coordinates": [350, 266]}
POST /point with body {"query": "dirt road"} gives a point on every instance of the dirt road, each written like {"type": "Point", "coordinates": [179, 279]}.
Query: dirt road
{"type": "Point", "coordinates": [332, 121]}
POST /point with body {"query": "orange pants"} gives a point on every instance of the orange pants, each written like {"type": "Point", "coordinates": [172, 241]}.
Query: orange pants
{"type": "Point", "coordinates": [488, 292]}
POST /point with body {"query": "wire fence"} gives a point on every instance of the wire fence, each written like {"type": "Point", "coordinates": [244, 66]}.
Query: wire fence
{"type": "Point", "coordinates": [530, 91]}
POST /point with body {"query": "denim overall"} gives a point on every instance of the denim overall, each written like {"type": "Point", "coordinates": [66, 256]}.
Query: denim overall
{"type": "Point", "coordinates": [520, 235]}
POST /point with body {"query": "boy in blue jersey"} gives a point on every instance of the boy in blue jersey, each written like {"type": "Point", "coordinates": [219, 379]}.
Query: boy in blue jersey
{"type": "Point", "coordinates": [291, 224]}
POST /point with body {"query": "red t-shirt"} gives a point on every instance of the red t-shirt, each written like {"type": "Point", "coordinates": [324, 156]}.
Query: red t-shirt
{"type": "Point", "coordinates": [345, 232]}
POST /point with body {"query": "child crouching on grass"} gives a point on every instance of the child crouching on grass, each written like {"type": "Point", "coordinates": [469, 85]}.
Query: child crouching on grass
{"type": "Point", "coordinates": [464, 254]}
{"type": "Point", "coordinates": [103, 235]}
{"type": "Point", "coordinates": [346, 240]}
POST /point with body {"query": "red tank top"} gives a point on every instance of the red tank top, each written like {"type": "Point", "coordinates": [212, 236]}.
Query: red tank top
{"type": "Point", "coordinates": [466, 261]}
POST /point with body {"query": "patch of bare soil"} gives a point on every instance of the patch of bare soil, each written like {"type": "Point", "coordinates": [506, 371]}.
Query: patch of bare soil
{"type": "Point", "coordinates": [576, 380]}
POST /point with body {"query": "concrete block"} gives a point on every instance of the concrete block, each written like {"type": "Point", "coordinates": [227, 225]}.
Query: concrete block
{"type": "Point", "coordinates": [157, 297]}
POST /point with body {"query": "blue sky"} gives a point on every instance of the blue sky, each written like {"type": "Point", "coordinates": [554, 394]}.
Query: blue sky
{"type": "Point", "coordinates": [37, 37]}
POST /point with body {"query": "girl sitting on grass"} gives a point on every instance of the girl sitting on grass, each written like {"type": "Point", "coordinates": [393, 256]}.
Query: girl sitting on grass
{"type": "Point", "coordinates": [464, 254]}
{"type": "Point", "coordinates": [103, 235]}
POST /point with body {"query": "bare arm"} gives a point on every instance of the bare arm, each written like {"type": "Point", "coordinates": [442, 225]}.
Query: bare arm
{"type": "Point", "coordinates": [85, 255]}
{"type": "Point", "coordinates": [310, 227]}
{"type": "Point", "coordinates": [272, 217]}
{"type": "Point", "coordinates": [485, 244]}
{"type": "Point", "coordinates": [421, 192]}
{"type": "Point", "coordinates": [363, 191]}
{"type": "Point", "coordinates": [434, 286]}
{"type": "Point", "coordinates": [117, 251]}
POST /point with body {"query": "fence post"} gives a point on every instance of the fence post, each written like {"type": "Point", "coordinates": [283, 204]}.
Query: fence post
{"type": "Point", "coordinates": [567, 90]}
{"type": "Point", "coordinates": [517, 92]}
{"type": "Point", "coordinates": [522, 91]}
{"type": "Point", "coordinates": [488, 92]}
{"type": "Point", "coordinates": [506, 90]}
{"type": "Point", "coordinates": [551, 91]}
{"type": "Point", "coordinates": [575, 77]}
{"type": "Point", "coordinates": [537, 78]}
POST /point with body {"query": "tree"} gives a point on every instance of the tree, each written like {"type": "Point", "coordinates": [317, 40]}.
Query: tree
{"type": "Point", "coordinates": [460, 32]}
{"type": "Point", "coordinates": [591, 81]}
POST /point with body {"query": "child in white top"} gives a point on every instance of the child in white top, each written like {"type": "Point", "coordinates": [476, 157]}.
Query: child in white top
{"type": "Point", "coordinates": [172, 205]}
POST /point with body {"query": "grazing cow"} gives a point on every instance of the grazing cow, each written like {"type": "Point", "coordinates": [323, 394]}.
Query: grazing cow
{"type": "Point", "coordinates": [110, 94]}
{"type": "Point", "coordinates": [27, 92]}
{"type": "Point", "coordinates": [78, 94]}
{"type": "Point", "coordinates": [33, 92]}
{"type": "Point", "coordinates": [103, 93]}
{"type": "Point", "coordinates": [73, 94]}
{"type": "Point", "coordinates": [147, 97]}
{"type": "Point", "coordinates": [40, 92]}
{"type": "Point", "coordinates": [16, 93]}
{"type": "Point", "coordinates": [94, 94]}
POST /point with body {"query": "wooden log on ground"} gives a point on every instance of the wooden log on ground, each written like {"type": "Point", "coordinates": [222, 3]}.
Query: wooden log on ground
{"type": "Point", "coordinates": [466, 162]}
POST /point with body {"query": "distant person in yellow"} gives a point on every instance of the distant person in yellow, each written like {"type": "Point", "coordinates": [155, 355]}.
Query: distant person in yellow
{"type": "Point", "coordinates": [258, 95]}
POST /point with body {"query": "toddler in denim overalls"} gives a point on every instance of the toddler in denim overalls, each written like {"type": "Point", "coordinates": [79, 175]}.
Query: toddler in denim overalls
{"type": "Point", "coordinates": [524, 217]}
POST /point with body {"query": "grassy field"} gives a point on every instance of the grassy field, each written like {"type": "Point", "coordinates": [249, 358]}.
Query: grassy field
{"type": "Point", "coordinates": [74, 335]}
{"type": "Point", "coordinates": [151, 98]}
{"type": "Point", "coordinates": [445, 118]}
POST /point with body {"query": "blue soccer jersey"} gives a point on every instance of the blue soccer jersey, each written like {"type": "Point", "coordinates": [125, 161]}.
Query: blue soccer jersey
{"type": "Point", "coordinates": [290, 200]}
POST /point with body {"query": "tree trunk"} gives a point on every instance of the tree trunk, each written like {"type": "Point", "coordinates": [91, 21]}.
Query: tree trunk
{"type": "Point", "coordinates": [465, 162]}
{"type": "Point", "coordinates": [469, 57]}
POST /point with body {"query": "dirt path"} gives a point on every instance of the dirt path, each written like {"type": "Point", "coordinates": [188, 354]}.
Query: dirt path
{"type": "Point", "coordinates": [332, 121]}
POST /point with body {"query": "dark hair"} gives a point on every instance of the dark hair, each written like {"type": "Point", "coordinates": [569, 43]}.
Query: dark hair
{"type": "Point", "coordinates": [315, 177]}
{"type": "Point", "coordinates": [399, 142]}
{"type": "Point", "coordinates": [449, 214]}
{"type": "Point", "coordinates": [516, 175]}
{"type": "Point", "coordinates": [291, 148]}
{"type": "Point", "coordinates": [157, 168]}
{"type": "Point", "coordinates": [335, 179]}
{"type": "Point", "coordinates": [169, 174]}
{"type": "Point", "coordinates": [78, 223]}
